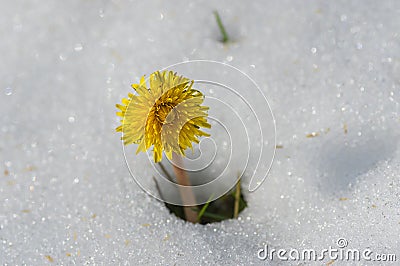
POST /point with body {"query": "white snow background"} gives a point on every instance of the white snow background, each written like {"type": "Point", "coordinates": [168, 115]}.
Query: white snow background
{"type": "Point", "coordinates": [66, 196]}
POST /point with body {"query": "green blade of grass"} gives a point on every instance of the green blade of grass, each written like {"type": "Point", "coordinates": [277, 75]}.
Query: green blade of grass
{"type": "Point", "coordinates": [202, 211]}
{"type": "Point", "coordinates": [165, 172]}
{"type": "Point", "coordinates": [215, 216]}
{"type": "Point", "coordinates": [237, 199]}
{"type": "Point", "coordinates": [225, 37]}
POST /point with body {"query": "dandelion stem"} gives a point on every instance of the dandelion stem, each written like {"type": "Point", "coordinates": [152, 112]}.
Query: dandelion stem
{"type": "Point", "coordinates": [185, 190]}
{"type": "Point", "coordinates": [225, 37]}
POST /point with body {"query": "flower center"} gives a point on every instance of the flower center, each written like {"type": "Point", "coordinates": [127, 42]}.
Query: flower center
{"type": "Point", "coordinates": [165, 113]}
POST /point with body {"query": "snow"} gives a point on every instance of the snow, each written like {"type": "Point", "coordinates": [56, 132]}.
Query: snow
{"type": "Point", "coordinates": [328, 69]}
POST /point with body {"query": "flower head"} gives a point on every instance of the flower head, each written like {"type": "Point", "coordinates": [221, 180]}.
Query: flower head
{"type": "Point", "coordinates": [167, 115]}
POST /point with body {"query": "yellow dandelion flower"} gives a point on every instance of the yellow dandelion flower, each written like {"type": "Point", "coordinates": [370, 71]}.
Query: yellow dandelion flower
{"type": "Point", "coordinates": [167, 115]}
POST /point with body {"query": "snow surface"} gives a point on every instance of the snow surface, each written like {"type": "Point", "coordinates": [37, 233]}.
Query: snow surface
{"type": "Point", "coordinates": [328, 68]}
